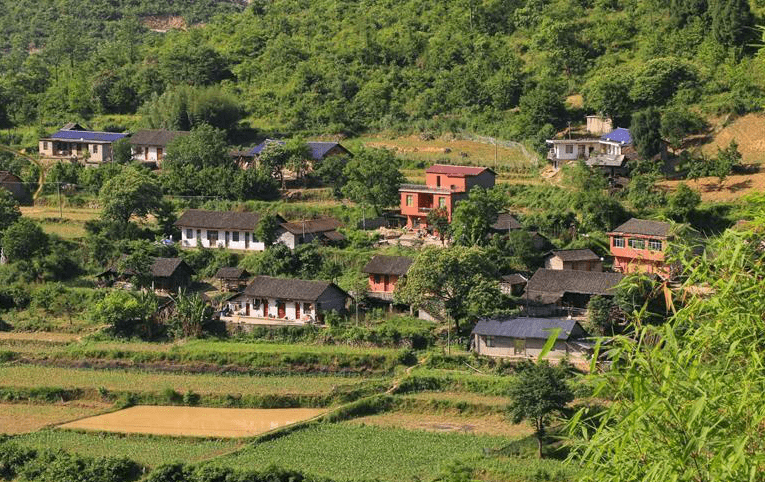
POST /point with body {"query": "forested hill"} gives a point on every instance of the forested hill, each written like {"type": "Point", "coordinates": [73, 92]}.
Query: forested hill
{"type": "Point", "coordinates": [501, 67]}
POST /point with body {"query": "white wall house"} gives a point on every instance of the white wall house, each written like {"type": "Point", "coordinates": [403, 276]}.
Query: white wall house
{"type": "Point", "coordinates": [609, 146]}
{"type": "Point", "coordinates": [150, 145]}
{"type": "Point", "coordinates": [220, 229]}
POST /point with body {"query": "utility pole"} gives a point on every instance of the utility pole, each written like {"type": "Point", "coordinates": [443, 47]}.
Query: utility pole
{"type": "Point", "coordinates": [60, 206]}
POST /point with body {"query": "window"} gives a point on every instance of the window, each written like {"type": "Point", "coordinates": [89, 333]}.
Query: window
{"type": "Point", "coordinates": [569, 149]}
{"type": "Point", "coordinates": [655, 244]}
{"type": "Point", "coordinates": [618, 242]}
{"type": "Point", "coordinates": [95, 148]}
{"type": "Point", "coordinates": [442, 202]}
{"type": "Point", "coordinates": [212, 236]}
{"type": "Point", "coordinates": [438, 181]}
{"type": "Point", "coordinates": [519, 345]}
{"type": "Point", "coordinates": [377, 279]}
{"type": "Point", "coordinates": [235, 236]}
{"type": "Point", "coordinates": [45, 145]}
{"type": "Point", "coordinates": [386, 279]}
{"type": "Point", "coordinates": [189, 233]}
{"type": "Point", "coordinates": [409, 200]}
{"type": "Point", "coordinates": [199, 233]}
{"type": "Point", "coordinates": [490, 341]}
{"type": "Point", "coordinates": [637, 243]}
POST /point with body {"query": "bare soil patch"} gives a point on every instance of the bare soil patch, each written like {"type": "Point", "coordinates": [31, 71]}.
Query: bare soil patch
{"type": "Point", "coordinates": [748, 134]}
{"type": "Point", "coordinates": [732, 189]}
{"type": "Point", "coordinates": [18, 418]}
{"type": "Point", "coordinates": [194, 421]}
{"type": "Point", "coordinates": [485, 425]}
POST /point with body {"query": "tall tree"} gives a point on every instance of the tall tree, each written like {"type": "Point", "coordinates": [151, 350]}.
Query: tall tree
{"type": "Point", "coordinates": [133, 192]}
{"type": "Point", "coordinates": [373, 179]}
{"type": "Point", "coordinates": [205, 146]}
{"type": "Point", "coordinates": [9, 209]}
{"type": "Point", "coordinates": [646, 132]}
{"type": "Point", "coordinates": [473, 217]}
{"type": "Point", "coordinates": [731, 21]}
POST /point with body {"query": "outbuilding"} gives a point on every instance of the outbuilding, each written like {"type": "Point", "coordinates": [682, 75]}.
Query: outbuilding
{"type": "Point", "coordinates": [526, 337]}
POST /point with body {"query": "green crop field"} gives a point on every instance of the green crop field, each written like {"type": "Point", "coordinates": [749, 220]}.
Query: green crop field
{"type": "Point", "coordinates": [144, 449]}
{"type": "Point", "coordinates": [353, 452]}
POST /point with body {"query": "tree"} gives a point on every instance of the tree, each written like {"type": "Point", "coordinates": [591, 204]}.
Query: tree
{"type": "Point", "coordinates": [540, 390]}
{"type": "Point", "coordinates": [682, 203]}
{"type": "Point", "coordinates": [191, 315]}
{"type": "Point", "coordinates": [677, 123]}
{"type": "Point", "coordinates": [9, 209]}
{"type": "Point", "coordinates": [608, 94]}
{"type": "Point", "coordinates": [642, 193]}
{"type": "Point", "coordinates": [473, 217]}
{"type": "Point", "coordinates": [543, 104]}
{"type": "Point", "coordinates": [266, 229]}
{"type": "Point", "coordinates": [122, 151]}
{"type": "Point", "coordinates": [727, 159]}
{"type": "Point", "coordinates": [126, 313]}
{"type": "Point", "coordinates": [457, 283]}
{"type": "Point", "coordinates": [646, 132]}
{"type": "Point", "coordinates": [331, 172]}
{"type": "Point", "coordinates": [278, 156]}
{"type": "Point", "coordinates": [373, 179]}
{"type": "Point", "coordinates": [600, 316]}
{"type": "Point", "coordinates": [205, 146]}
{"type": "Point", "coordinates": [133, 192]}
{"type": "Point", "coordinates": [731, 21]}
{"type": "Point", "coordinates": [24, 240]}
{"type": "Point", "coordinates": [438, 222]}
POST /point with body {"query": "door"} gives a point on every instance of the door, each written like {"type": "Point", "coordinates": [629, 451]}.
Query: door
{"type": "Point", "coordinates": [145, 153]}
{"type": "Point", "coordinates": [159, 153]}
{"type": "Point", "coordinates": [386, 281]}
{"type": "Point", "coordinates": [297, 310]}
{"type": "Point", "coordinates": [581, 151]}
{"type": "Point", "coordinates": [247, 309]}
{"type": "Point", "coordinates": [265, 308]}
{"type": "Point", "coordinates": [227, 239]}
{"type": "Point", "coordinates": [281, 310]}
{"type": "Point", "coordinates": [246, 240]}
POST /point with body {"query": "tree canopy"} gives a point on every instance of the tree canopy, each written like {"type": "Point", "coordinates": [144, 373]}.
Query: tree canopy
{"type": "Point", "coordinates": [373, 178]}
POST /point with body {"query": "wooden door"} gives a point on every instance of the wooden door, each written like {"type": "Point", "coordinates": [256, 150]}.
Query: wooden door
{"type": "Point", "coordinates": [159, 153]}
{"type": "Point", "coordinates": [247, 309]}
{"type": "Point", "coordinates": [265, 308]}
{"type": "Point", "coordinates": [281, 310]}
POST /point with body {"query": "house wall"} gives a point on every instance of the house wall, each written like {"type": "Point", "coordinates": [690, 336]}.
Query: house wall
{"type": "Point", "coordinates": [308, 310]}
{"type": "Point", "coordinates": [579, 150]}
{"type": "Point", "coordinates": [484, 180]}
{"type": "Point", "coordinates": [97, 152]}
{"type": "Point", "coordinates": [382, 286]}
{"type": "Point", "coordinates": [191, 242]}
{"type": "Point", "coordinates": [292, 240]}
{"type": "Point", "coordinates": [554, 262]}
{"type": "Point", "coordinates": [505, 347]}
{"type": "Point", "coordinates": [455, 183]}
{"type": "Point", "coordinates": [155, 153]}
{"type": "Point", "coordinates": [633, 260]}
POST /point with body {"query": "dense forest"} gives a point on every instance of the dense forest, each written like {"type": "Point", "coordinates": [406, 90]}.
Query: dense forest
{"type": "Point", "coordinates": [500, 67]}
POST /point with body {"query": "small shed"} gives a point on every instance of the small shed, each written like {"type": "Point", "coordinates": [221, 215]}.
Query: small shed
{"type": "Point", "coordinates": [232, 278]}
{"type": "Point", "coordinates": [167, 275]}
{"type": "Point", "coordinates": [525, 337]}
{"type": "Point", "coordinates": [513, 284]}
{"type": "Point", "coordinates": [576, 259]}
{"type": "Point", "coordinates": [15, 185]}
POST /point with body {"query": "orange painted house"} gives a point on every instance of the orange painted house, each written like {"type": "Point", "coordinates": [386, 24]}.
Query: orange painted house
{"type": "Point", "coordinates": [384, 272]}
{"type": "Point", "coordinates": [444, 186]}
{"type": "Point", "coordinates": [639, 246]}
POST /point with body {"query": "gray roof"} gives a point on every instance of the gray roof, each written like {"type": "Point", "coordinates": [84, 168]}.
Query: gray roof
{"type": "Point", "coordinates": [547, 282]}
{"type": "Point", "coordinates": [320, 225]}
{"type": "Point", "coordinates": [535, 328]}
{"type": "Point", "coordinates": [288, 289]}
{"type": "Point", "coordinates": [513, 279]}
{"type": "Point", "coordinates": [200, 218]}
{"type": "Point", "coordinates": [397, 265]}
{"type": "Point", "coordinates": [645, 227]}
{"type": "Point", "coordinates": [166, 267]}
{"type": "Point", "coordinates": [8, 177]}
{"type": "Point", "coordinates": [575, 254]}
{"type": "Point", "coordinates": [155, 137]}
{"type": "Point", "coordinates": [232, 273]}
{"type": "Point", "coordinates": [506, 222]}
{"type": "Point", "coordinates": [606, 160]}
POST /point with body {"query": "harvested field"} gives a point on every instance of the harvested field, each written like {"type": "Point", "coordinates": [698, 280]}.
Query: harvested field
{"type": "Point", "coordinates": [38, 336]}
{"type": "Point", "coordinates": [194, 421]}
{"type": "Point", "coordinates": [70, 227]}
{"type": "Point", "coordinates": [24, 417]}
{"type": "Point", "coordinates": [484, 425]}
{"type": "Point", "coordinates": [474, 398]}
{"type": "Point", "coordinates": [734, 187]}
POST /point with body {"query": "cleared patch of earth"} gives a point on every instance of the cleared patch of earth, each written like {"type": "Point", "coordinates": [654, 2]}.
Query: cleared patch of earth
{"type": "Point", "coordinates": [747, 131]}
{"type": "Point", "coordinates": [485, 425]}
{"type": "Point", "coordinates": [52, 337]}
{"type": "Point", "coordinates": [732, 189]}
{"type": "Point", "coordinates": [194, 421]}
{"type": "Point", "coordinates": [18, 418]}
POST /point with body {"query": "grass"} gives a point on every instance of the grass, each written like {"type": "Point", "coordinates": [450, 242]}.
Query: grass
{"type": "Point", "coordinates": [353, 452]}
{"type": "Point", "coordinates": [18, 418]}
{"type": "Point", "coordinates": [494, 424]}
{"type": "Point", "coordinates": [69, 223]}
{"type": "Point", "coordinates": [144, 449]}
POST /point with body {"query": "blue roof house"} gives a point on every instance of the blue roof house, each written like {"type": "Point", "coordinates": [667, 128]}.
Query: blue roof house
{"type": "Point", "coordinates": [81, 145]}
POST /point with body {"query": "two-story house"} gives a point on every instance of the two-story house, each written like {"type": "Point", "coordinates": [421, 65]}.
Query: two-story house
{"type": "Point", "coordinates": [74, 143]}
{"type": "Point", "coordinates": [444, 186]}
{"type": "Point", "coordinates": [610, 152]}
{"type": "Point", "coordinates": [150, 145]}
{"type": "Point", "coordinates": [639, 246]}
{"type": "Point", "coordinates": [384, 273]}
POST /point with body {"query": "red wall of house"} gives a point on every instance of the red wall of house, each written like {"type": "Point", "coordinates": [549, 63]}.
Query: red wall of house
{"type": "Point", "coordinates": [459, 183]}
{"type": "Point", "coordinates": [631, 260]}
{"type": "Point", "coordinates": [382, 287]}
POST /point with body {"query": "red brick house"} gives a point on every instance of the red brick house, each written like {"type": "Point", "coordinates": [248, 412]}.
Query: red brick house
{"type": "Point", "coordinates": [639, 246]}
{"type": "Point", "coordinates": [384, 272]}
{"type": "Point", "coordinates": [444, 186]}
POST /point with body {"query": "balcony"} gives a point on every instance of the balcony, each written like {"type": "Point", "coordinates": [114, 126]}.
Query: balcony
{"type": "Point", "coordinates": [424, 209]}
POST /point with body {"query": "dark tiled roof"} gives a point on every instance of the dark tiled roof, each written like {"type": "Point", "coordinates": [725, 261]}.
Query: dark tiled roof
{"type": "Point", "coordinates": [575, 254]}
{"type": "Point", "coordinates": [312, 225]}
{"type": "Point", "coordinates": [397, 265]}
{"type": "Point", "coordinates": [200, 218]}
{"type": "Point", "coordinates": [94, 136]}
{"type": "Point", "coordinates": [620, 134]}
{"type": "Point", "coordinates": [317, 149]}
{"type": "Point", "coordinates": [288, 289]}
{"type": "Point", "coordinates": [605, 160]}
{"type": "Point", "coordinates": [333, 236]}
{"type": "Point", "coordinates": [6, 176]}
{"type": "Point", "coordinates": [456, 170]}
{"type": "Point", "coordinates": [559, 281]}
{"type": "Point", "coordinates": [645, 227]}
{"type": "Point", "coordinates": [155, 137]}
{"type": "Point", "coordinates": [535, 328]}
{"type": "Point", "coordinates": [513, 279]}
{"type": "Point", "coordinates": [506, 222]}
{"type": "Point", "coordinates": [165, 267]}
{"type": "Point", "coordinates": [232, 273]}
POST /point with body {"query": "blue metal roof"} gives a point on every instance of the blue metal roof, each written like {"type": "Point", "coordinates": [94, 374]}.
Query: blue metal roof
{"type": "Point", "coordinates": [620, 134]}
{"type": "Point", "coordinates": [318, 149]}
{"type": "Point", "coordinates": [537, 328]}
{"type": "Point", "coordinates": [88, 136]}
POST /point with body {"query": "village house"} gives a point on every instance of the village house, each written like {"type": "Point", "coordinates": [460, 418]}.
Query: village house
{"type": "Point", "coordinates": [224, 229]}
{"type": "Point", "coordinates": [384, 273]}
{"type": "Point", "coordinates": [526, 337]}
{"type": "Point", "coordinates": [232, 278]}
{"type": "Point", "coordinates": [281, 300]}
{"type": "Point", "coordinates": [552, 290]}
{"type": "Point", "coordinates": [168, 275]}
{"type": "Point", "coordinates": [324, 230]}
{"type": "Point", "coordinates": [505, 224]}
{"type": "Point", "coordinates": [512, 284]}
{"type": "Point", "coordinates": [150, 145]}
{"type": "Point", "coordinates": [610, 152]}
{"type": "Point", "coordinates": [317, 151]}
{"type": "Point", "coordinates": [576, 259]}
{"type": "Point", "coordinates": [15, 185]}
{"type": "Point", "coordinates": [639, 246]}
{"type": "Point", "coordinates": [74, 143]}
{"type": "Point", "coordinates": [444, 186]}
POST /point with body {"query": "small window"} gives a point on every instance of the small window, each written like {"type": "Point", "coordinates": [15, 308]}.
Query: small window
{"type": "Point", "coordinates": [569, 149]}
{"type": "Point", "coordinates": [442, 202]}
{"type": "Point", "coordinates": [438, 181]}
{"type": "Point", "coordinates": [377, 279]}
{"type": "Point", "coordinates": [189, 233]}
{"type": "Point", "coordinates": [45, 145]}
{"type": "Point", "coordinates": [655, 244]}
{"type": "Point", "coordinates": [235, 236]}
{"type": "Point", "coordinates": [519, 346]}
{"type": "Point", "coordinates": [95, 148]}
{"type": "Point", "coordinates": [212, 236]}
{"type": "Point", "coordinates": [490, 341]}
{"type": "Point", "coordinates": [618, 242]}
{"type": "Point", "coordinates": [637, 243]}
{"type": "Point", "coordinates": [199, 233]}
{"type": "Point", "coordinates": [409, 200]}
